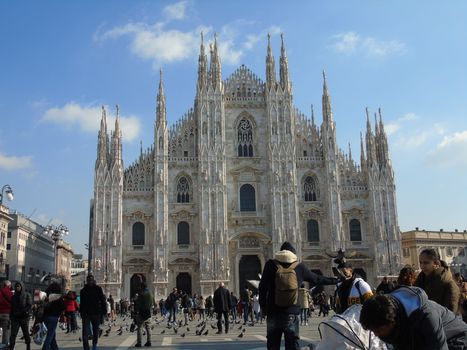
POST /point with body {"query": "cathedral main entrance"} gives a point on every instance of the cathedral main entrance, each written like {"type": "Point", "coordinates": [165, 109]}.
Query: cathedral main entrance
{"type": "Point", "coordinates": [135, 283]}
{"type": "Point", "coordinates": [184, 282]}
{"type": "Point", "coordinates": [248, 269]}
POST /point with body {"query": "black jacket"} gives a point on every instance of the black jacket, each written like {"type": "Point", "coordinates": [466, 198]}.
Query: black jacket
{"type": "Point", "coordinates": [424, 324]}
{"type": "Point", "coordinates": [267, 283]}
{"type": "Point", "coordinates": [222, 300]}
{"type": "Point", "coordinates": [21, 304]}
{"type": "Point", "coordinates": [92, 301]}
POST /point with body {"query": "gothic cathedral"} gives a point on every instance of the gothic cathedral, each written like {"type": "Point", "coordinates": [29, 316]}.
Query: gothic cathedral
{"type": "Point", "coordinates": [241, 172]}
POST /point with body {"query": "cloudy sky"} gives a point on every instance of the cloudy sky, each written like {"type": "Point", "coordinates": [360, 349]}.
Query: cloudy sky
{"type": "Point", "coordinates": [60, 61]}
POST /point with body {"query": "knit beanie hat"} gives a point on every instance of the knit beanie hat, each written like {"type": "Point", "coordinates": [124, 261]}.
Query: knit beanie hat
{"type": "Point", "coordinates": [288, 246]}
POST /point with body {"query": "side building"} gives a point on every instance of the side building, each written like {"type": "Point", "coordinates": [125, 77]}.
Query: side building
{"type": "Point", "coordinates": [64, 256]}
{"type": "Point", "coordinates": [5, 219]}
{"type": "Point", "coordinates": [450, 245]}
{"type": "Point", "coordinates": [30, 253]}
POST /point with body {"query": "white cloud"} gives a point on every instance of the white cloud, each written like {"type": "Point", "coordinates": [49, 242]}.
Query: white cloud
{"type": "Point", "coordinates": [394, 126]}
{"type": "Point", "coordinates": [87, 118]}
{"type": "Point", "coordinates": [450, 151]}
{"type": "Point", "coordinates": [162, 45]}
{"type": "Point", "coordinates": [15, 162]}
{"type": "Point", "coordinates": [176, 11]}
{"type": "Point", "coordinates": [349, 43]}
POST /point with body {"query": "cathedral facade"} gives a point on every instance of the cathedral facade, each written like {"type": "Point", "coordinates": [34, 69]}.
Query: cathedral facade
{"type": "Point", "coordinates": [241, 172]}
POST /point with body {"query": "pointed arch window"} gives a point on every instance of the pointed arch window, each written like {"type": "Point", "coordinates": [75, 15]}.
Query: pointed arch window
{"type": "Point", "coordinates": [183, 233]}
{"type": "Point", "coordinates": [355, 230]}
{"type": "Point", "coordinates": [245, 138]}
{"type": "Point", "coordinates": [247, 198]}
{"type": "Point", "coordinates": [312, 229]}
{"type": "Point", "coordinates": [137, 236]}
{"type": "Point", "coordinates": [310, 191]}
{"type": "Point", "coordinates": [183, 190]}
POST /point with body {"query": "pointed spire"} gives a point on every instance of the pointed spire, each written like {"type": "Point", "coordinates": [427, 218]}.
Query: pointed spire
{"type": "Point", "coordinates": [117, 121]}
{"type": "Point", "coordinates": [161, 110]}
{"type": "Point", "coordinates": [368, 124]}
{"type": "Point", "coordinates": [141, 149]}
{"type": "Point", "coordinates": [362, 153]}
{"type": "Point", "coordinates": [202, 66]}
{"type": "Point", "coordinates": [284, 67]}
{"type": "Point", "coordinates": [270, 66]}
{"type": "Point", "coordinates": [312, 116]}
{"type": "Point", "coordinates": [216, 70]}
{"type": "Point", "coordinates": [350, 152]}
{"type": "Point", "coordinates": [103, 140]}
{"type": "Point", "coordinates": [327, 111]}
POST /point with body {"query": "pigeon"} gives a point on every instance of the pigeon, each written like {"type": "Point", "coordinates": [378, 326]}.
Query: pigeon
{"type": "Point", "coordinates": [183, 335]}
{"type": "Point", "coordinates": [206, 333]}
{"type": "Point", "coordinates": [213, 327]}
{"type": "Point", "coordinates": [240, 335]}
{"type": "Point", "coordinates": [244, 330]}
{"type": "Point", "coordinates": [180, 323]}
{"type": "Point", "coordinates": [163, 331]}
{"type": "Point", "coordinates": [175, 330]}
{"type": "Point", "coordinates": [187, 329]}
{"type": "Point", "coordinates": [240, 327]}
{"type": "Point", "coordinates": [237, 322]}
{"type": "Point", "coordinates": [152, 327]}
{"type": "Point", "coordinates": [120, 332]}
{"type": "Point", "coordinates": [80, 340]}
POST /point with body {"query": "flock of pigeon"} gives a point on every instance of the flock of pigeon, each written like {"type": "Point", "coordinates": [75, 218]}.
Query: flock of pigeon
{"type": "Point", "coordinates": [177, 328]}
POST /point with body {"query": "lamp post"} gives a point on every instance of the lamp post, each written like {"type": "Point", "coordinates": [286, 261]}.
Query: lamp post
{"type": "Point", "coordinates": [56, 232]}
{"type": "Point", "coordinates": [9, 193]}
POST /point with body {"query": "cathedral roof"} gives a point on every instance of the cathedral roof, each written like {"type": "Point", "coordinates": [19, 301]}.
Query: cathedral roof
{"type": "Point", "coordinates": [243, 83]}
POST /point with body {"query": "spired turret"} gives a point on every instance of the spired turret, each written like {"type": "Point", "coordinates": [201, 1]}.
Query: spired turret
{"type": "Point", "coordinates": [284, 68]}
{"type": "Point", "coordinates": [270, 67]}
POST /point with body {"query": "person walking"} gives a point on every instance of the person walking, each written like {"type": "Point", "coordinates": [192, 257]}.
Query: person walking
{"type": "Point", "coordinates": [71, 307]}
{"type": "Point", "coordinates": [92, 309]}
{"type": "Point", "coordinates": [222, 306]}
{"type": "Point", "coordinates": [172, 305]}
{"type": "Point", "coordinates": [278, 295]}
{"type": "Point", "coordinates": [201, 308]}
{"type": "Point", "coordinates": [113, 315]}
{"type": "Point", "coordinates": [234, 306]}
{"type": "Point", "coordinates": [21, 305]}
{"type": "Point", "coordinates": [53, 308]}
{"type": "Point", "coordinates": [5, 308]}
{"type": "Point", "coordinates": [436, 280]}
{"type": "Point", "coordinates": [143, 307]}
{"type": "Point", "coordinates": [304, 302]}
{"type": "Point", "coordinates": [245, 298]}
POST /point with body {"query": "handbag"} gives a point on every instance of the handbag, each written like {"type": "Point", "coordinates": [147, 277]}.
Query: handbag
{"type": "Point", "coordinates": [40, 332]}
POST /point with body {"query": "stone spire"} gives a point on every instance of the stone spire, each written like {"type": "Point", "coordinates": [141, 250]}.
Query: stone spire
{"type": "Point", "coordinates": [284, 67]}
{"type": "Point", "coordinates": [370, 142]}
{"type": "Point", "coordinates": [161, 119]}
{"type": "Point", "coordinates": [117, 138]}
{"type": "Point", "coordinates": [312, 116]}
{"type": "Point", "coordinates": [270, 66]}
{"type": "Point", "coordinates": [362, 153]}
{"type": "Point", "coordinates": [103, 142]}
{"type": "Point", "coordinates": [202, 66]}
{"type": "Point", "coordinates": [383, 140]}
{"type": "Point", "coordinates": [327, 111]}
{"type": "Point", "coordinates": [215, 69]}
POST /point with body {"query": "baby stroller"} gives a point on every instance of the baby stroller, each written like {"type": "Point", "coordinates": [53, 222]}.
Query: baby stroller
{"type": "Point", "coordinates": [344, 332]}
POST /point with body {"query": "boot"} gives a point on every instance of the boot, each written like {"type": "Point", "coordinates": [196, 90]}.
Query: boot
{"type": "Point", "coordinates": [28, 346]}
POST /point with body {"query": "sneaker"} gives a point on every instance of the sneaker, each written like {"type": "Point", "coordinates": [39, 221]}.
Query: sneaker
{"type": "Point", "coordinates": [219, 332]}
{"type": "Point", "coordinates": [137, 345]}
{"type": "Point", "coordinates": [306, 323]}
{"type": "Point", "coordinates": [148, 343]}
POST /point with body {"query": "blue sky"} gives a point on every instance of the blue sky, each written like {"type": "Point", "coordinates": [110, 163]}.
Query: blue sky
{"type": "Point", "coordinates": [60, 61]}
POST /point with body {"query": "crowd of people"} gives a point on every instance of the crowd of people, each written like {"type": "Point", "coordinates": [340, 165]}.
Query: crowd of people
{"type": "Point", "coordinates": [419, 310]}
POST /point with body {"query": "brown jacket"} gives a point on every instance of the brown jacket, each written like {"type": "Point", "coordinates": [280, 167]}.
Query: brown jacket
{"type": "Point", "coordinates": [440, 287]}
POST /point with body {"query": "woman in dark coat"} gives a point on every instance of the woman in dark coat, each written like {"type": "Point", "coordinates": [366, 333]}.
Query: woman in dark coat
{"type": "Point", "coordinates": [436, 280]}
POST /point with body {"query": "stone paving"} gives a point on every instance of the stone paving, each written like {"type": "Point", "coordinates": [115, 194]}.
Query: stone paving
{"type": "Point", "coordinates": [254, 337]}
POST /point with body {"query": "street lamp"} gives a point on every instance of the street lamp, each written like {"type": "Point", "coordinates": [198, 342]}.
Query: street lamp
{"type": "Point", "coordinates": [9, 193]}
{"type": "Point", "coordinates": [56, 232]}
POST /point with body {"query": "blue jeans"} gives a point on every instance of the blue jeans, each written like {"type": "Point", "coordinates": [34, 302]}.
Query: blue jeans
{"type": "Point", "coordinates": [246, 311]}
{"type": "Point", "coordinates": [282, 323]}
{"type": "Point", "coordinates": [50, 342]}
{"type": "Point", "coordinates": [303, 316]}
{"type": "Point", "coordinates": [173, 312]}
{"type": "Point", "coordinates": [90, 325]}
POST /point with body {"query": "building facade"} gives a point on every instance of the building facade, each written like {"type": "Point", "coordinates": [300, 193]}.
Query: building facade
{"type": "Point", "coordinates": [64, 258]}
{"type": "Point", "coordinates": [5, 219]}
{"type": "Point", "coordinates": [30, 253]}
{"type": "Point", "coordinates": [79, 270]}
{"type": "Point", "coordinates": [450, 245]}
{"type": "Point", "coordinates": [241, 172]}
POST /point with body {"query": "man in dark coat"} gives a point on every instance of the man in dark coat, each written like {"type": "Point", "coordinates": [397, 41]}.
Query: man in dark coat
{"type": "Point", "coordinates": [143, 310]}
{"type": "Point", "coordinates": [222, 306]}
{"type": "Point", "coordinates": [92, 308]}
{"type": "Point", "coordinates": [407, 320]}
{"type": "Point", "coordinates": [21, 305]}
{"type": "Point", "coordinates": [172, 305]}
{"type": "Point", "coordinates": [284, 319]}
